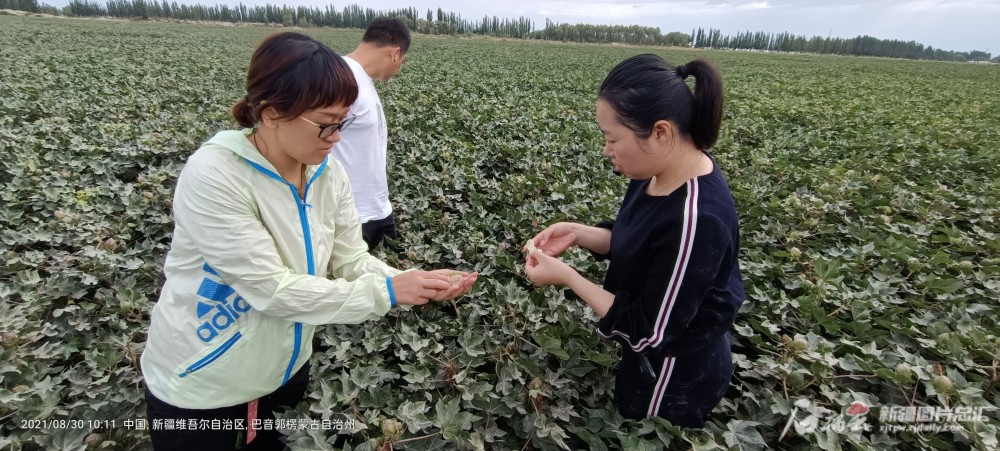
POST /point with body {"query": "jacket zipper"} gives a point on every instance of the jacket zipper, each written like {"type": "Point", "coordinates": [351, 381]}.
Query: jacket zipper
{"type": "Point", "coordinates": [311, 266]}
{"type": "Point", "coordinates": [307, 237]}
{"type": "Point", "coordinates": [212, 356]}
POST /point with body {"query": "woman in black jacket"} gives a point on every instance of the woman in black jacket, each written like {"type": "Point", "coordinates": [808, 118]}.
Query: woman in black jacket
{"type": "Point", "coordinates": [673, 285]}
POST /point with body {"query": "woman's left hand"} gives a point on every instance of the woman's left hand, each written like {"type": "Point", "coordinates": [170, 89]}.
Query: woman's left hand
{"type": "Point", "coordinates": [461, 283]}
{"type": "Point", "coordinates": [545, 270]}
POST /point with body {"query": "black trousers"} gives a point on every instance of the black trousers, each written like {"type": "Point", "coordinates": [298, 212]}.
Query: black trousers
{"type": "Point", "coordinates": [682, 389]}
{"type": "Point", "coordinates": [376, 231]}
{"type": "Point", "coordinates": [218, 439]}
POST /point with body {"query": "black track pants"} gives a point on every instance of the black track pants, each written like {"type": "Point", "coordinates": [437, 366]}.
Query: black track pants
{"type": "Point", "coordinates": [220, 438]}
{"type": "Point", "coordinates": [683, 389]}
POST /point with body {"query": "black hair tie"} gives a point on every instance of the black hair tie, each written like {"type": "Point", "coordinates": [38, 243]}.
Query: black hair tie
{"type": "Point", "coordinates": [683, 71]}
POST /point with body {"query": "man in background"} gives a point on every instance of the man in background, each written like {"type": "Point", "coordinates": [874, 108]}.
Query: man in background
{"type": "Point", "coordinates": [363, 147]}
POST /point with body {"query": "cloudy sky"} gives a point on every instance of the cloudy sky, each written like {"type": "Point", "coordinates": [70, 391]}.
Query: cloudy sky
{"type": "Point", "coordinates": [961, 25]}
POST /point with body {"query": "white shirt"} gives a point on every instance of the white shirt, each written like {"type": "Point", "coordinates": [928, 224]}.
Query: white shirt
{"type": "Point", "coordinates": [362, 150]}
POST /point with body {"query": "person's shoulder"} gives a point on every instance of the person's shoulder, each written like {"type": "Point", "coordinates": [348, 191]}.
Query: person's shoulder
{"type": "Point", "coordinates": [334, 175]}
{"type": "Point", "coordinates": [334, 168]}
{"type": "Point", "coordinates": [216, 158]}
{"type": "Point", "coordinates": [711, 220]}
{"type": "Point", "coordinates": [210, 152]}
{"type": "Point", "coordinates": [216, 151]}
{"type": "Point", "coordinates": [715, 179]}
{"type": "Point", "coordinates": [714, 186]}
{"type": "Point", "coordinates": [357, 68]}
{"type": "Point", "coordinates": [634, 186]}
{"type": "Point", "coordinates": [717, 215]}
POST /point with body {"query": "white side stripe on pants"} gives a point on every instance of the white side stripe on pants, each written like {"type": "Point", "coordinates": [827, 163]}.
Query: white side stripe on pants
{"type": "Point", "coordinates": [661, 386]}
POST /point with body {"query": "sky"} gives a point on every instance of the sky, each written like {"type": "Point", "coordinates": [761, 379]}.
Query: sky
{"type": "Point", "coordinates": [961, 25]}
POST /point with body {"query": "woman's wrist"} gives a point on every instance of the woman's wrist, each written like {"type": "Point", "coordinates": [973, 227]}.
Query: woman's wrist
{"type": "Point", "coordinates": [574, 230]}
{"type": "Point", "coordinates": [593, 295]}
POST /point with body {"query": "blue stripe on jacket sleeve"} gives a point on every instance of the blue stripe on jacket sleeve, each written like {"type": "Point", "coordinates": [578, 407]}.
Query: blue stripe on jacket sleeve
{"type": "Point", "coordinates": [392, 296]}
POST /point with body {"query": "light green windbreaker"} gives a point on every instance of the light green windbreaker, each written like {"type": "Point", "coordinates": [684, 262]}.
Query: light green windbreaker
{"type": "Point", "coordinates": [251, 270]}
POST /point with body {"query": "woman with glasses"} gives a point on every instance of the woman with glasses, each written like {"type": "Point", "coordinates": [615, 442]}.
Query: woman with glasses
{"type": "Point", "coordinates": [266, 247]}
{"type": "Point", "coordinates": [673, 285]}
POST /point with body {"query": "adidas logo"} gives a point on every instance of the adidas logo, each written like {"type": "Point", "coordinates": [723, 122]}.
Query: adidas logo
{"type": "Point", "coordinates": [223, 308]}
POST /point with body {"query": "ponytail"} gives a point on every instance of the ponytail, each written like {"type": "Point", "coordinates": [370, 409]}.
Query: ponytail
{"type": "Point", "coordinates": [707, 115]}
{"type": "Point", "coordinates": [243, 113]}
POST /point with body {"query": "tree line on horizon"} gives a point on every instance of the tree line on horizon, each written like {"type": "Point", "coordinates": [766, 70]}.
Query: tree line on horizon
{"type": "Point", "coordinates": [448, 23]}
{"type": "Point", "coordinates": [859, 46]}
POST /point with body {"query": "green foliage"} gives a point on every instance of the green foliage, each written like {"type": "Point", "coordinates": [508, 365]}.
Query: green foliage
{"type": "Point", "coordinates": [867, 191]}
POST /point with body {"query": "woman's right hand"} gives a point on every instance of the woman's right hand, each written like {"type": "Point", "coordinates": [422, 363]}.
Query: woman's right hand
{"type": "Point", "coordinates": [555, 239]}
{"type": "Point", "coordinates": [417, 287]}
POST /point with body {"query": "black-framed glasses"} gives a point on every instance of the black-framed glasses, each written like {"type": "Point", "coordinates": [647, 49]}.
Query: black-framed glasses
{"type": "Point", "coordinates": [325, 130]}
